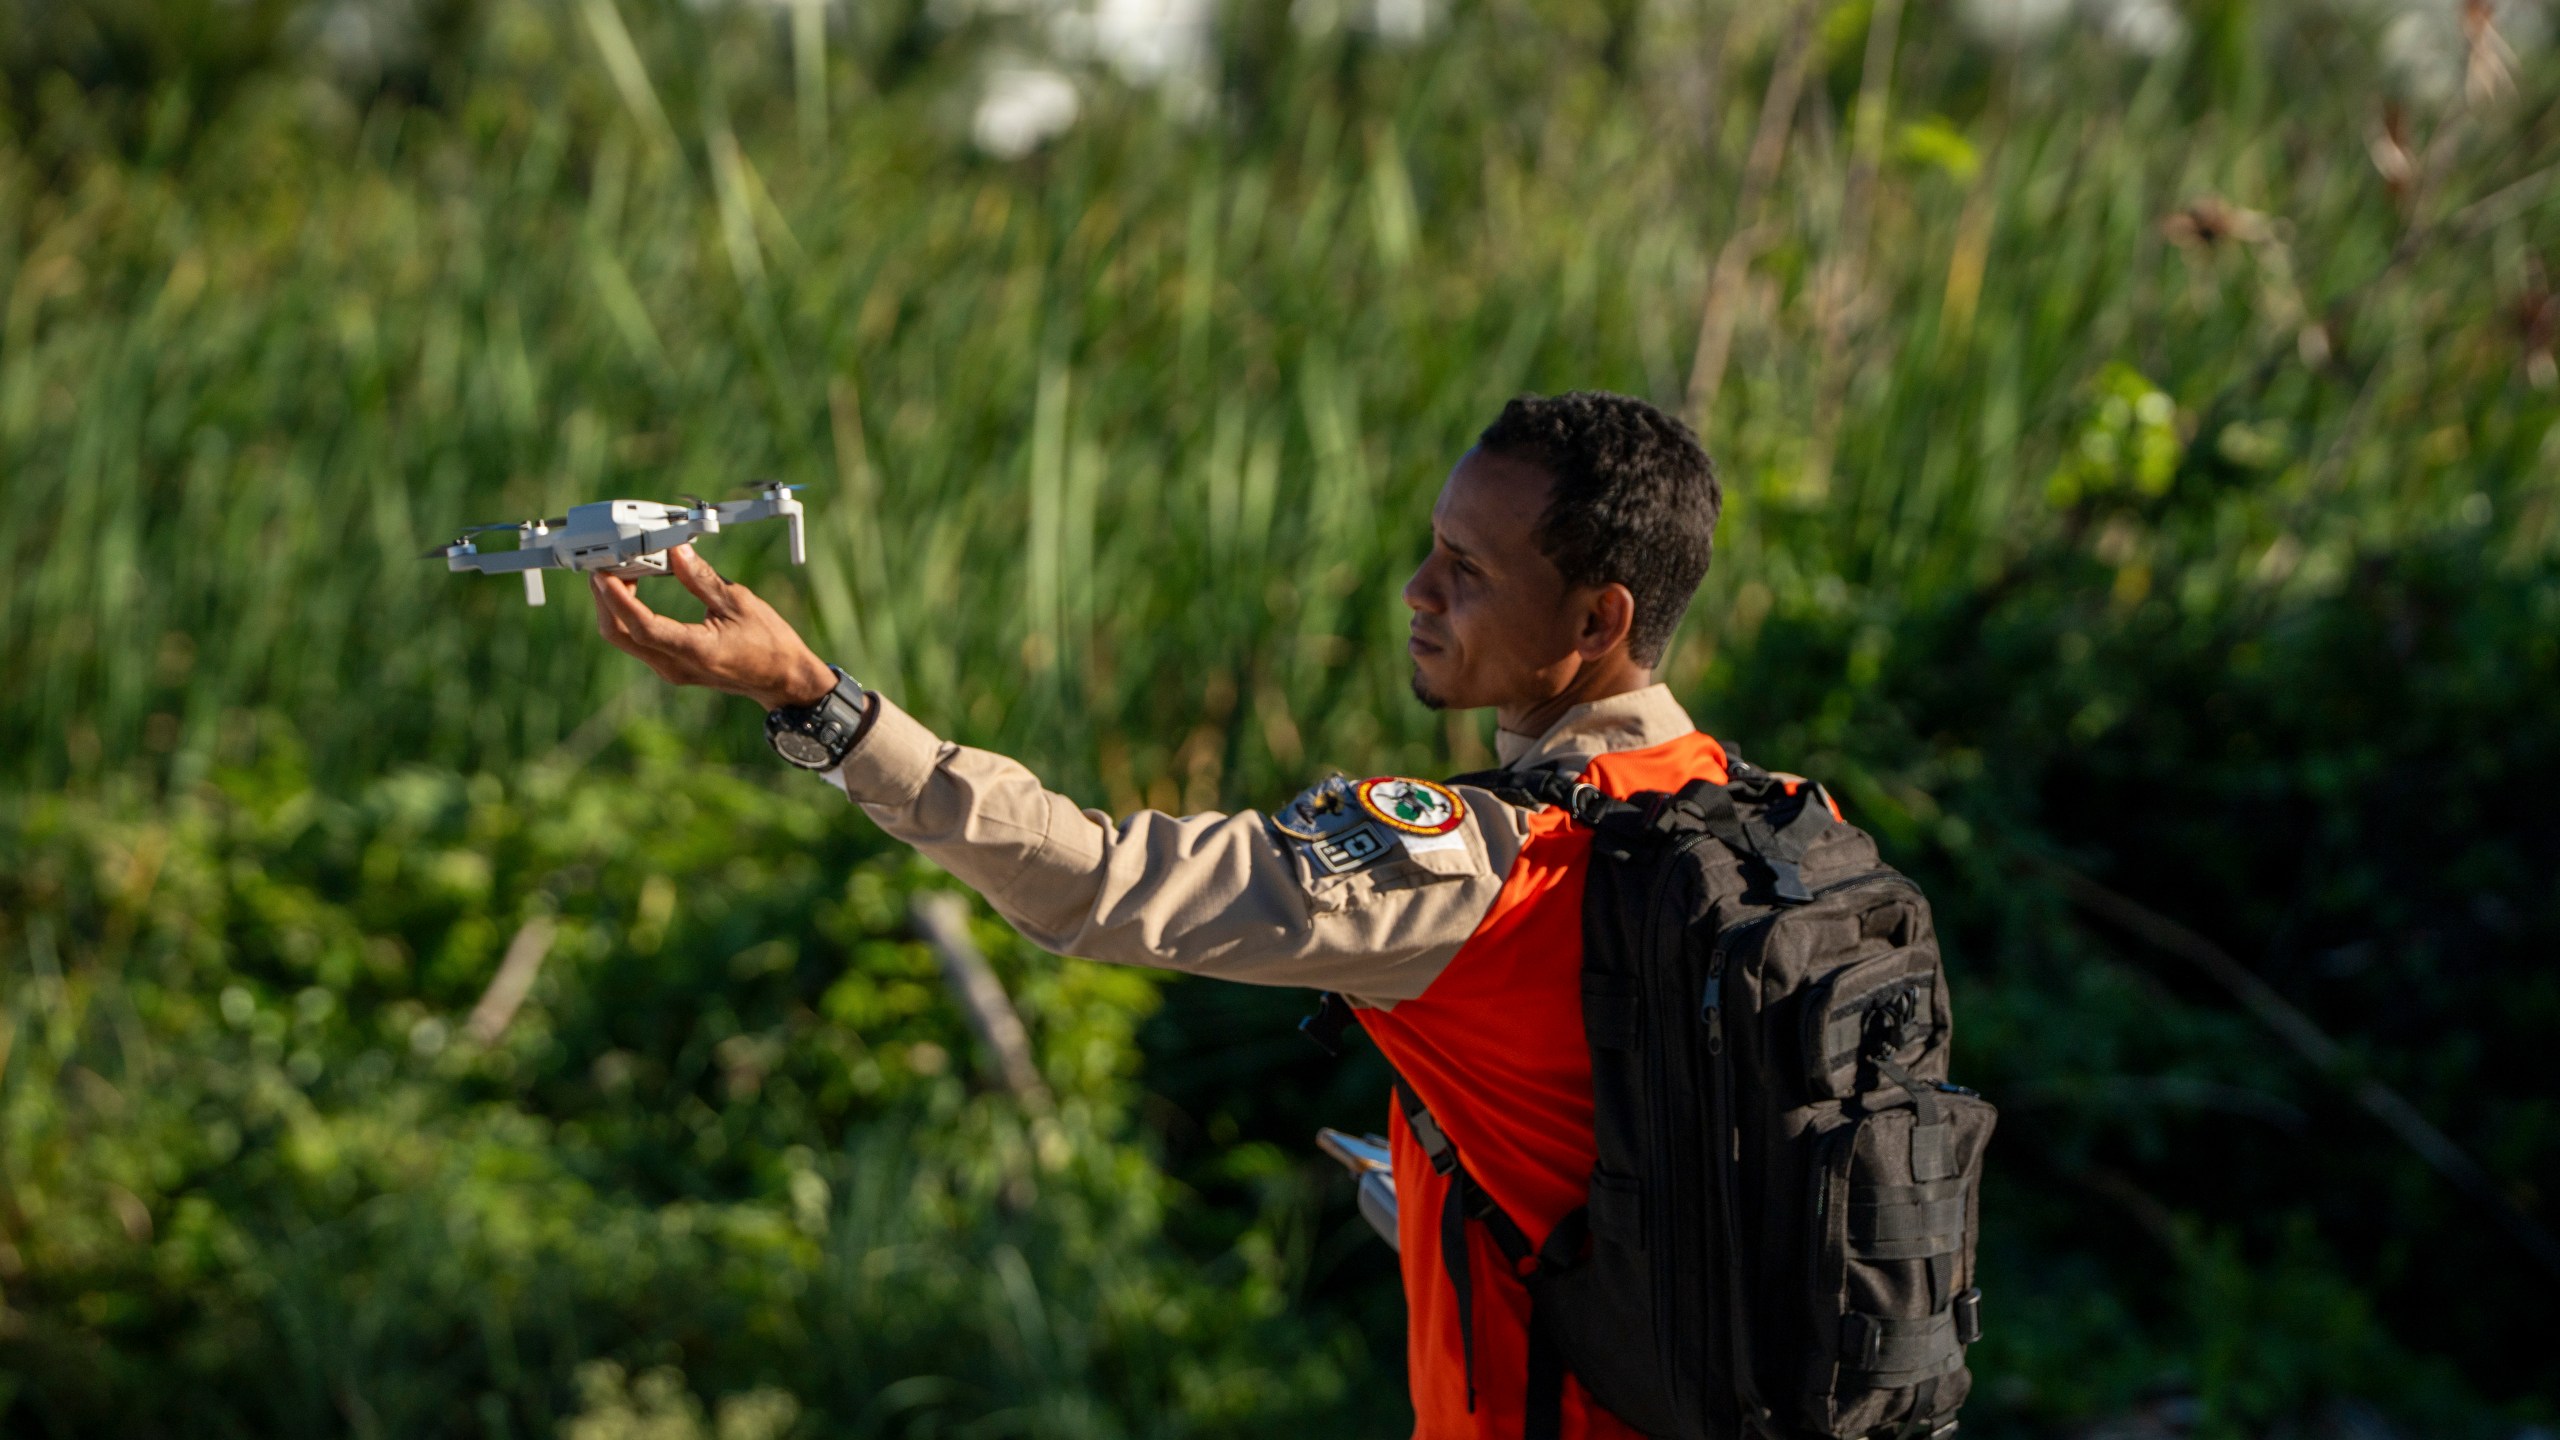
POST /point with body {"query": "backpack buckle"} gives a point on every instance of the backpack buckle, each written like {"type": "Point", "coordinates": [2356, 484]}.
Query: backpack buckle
{"type": "Point", "coordinates": [1888, 1022]}
{"type": "Point", "coordinates": [1585, 803]}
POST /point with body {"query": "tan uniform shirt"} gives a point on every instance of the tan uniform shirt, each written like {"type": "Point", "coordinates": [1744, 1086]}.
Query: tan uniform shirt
{"type": "Point", "coordinates": [1247, 896]}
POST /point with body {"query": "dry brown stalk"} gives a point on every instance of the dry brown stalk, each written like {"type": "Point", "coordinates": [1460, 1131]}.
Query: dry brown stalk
{"type": "Point", "coordinates": [514, 980]}
{"type": "Point", "coordinates": [943, 918]}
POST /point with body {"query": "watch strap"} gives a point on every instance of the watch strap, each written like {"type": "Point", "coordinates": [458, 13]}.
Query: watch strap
{"type": "Point", "coordinates": [820, 734]}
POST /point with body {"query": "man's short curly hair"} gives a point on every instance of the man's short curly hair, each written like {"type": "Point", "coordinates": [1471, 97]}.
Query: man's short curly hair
{"type": "Point", "coordinates": [1635, 500]}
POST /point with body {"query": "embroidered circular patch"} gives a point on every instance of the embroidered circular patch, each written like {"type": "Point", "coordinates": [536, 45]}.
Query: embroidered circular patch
{"type": "Point", "coordinates": [1416, 807]}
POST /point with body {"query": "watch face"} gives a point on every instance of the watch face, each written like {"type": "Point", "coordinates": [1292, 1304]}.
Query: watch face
{"type": "Point", "coordinates": [799, 749]}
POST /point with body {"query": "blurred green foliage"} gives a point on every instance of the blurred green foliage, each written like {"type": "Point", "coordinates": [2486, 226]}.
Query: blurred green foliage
{"type": "Point", "coordinates": [2145, 465]}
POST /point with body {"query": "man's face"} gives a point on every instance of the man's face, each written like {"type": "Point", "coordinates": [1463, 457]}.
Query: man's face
{"type": "Point", "coordinates": [1491, 625]}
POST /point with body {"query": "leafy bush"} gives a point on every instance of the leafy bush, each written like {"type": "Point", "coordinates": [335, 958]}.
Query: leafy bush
{"type": "Point", "coordinates": [263, 1178]}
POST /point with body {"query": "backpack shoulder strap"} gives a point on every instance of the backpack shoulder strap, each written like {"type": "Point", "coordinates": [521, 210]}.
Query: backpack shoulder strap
{"type": "Point", "coordinates": [1762, 816]}
{"type": "Point", "coordinates": [1757, 813]}
{"type": "Point", "coordinates": [1468, 1200]}
{"type": "Point", "coordinates": [1546, 785]}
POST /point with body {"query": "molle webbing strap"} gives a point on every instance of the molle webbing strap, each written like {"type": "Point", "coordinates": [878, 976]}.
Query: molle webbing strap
{"type": "Point", "coordinates": [1933, 1155]}
{"type": "Point", "coordinates": [1908, 1222]}
{"type": "Point", "coordinates": [1899, 1352]}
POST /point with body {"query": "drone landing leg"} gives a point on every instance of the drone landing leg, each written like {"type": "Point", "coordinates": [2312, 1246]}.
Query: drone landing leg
{"type": "Point", "coordinates": [533, 587]}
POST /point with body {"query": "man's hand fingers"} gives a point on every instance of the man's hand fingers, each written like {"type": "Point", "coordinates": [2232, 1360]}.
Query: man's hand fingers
{"type": "Point", "coordinates": [743, 647]}
{"type": "Point", "coordinates": [703, 581]}
{"type": "Point", "coordinates": [620, 600]}
{"type": "Point", "coordinates": [646, 628]}
{"type": "Point", "coordinates": [612, 598]}
{"type": "Point", "coordinates": [612, 606]}
{"type": "Point", "coordinates": [610, 625]}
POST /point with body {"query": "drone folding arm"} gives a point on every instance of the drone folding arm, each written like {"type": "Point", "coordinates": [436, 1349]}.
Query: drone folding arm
{"type": "Point", "coordinates": [773, 501]}
{"type": "Point", "coordinates": [505, 562]}
{"type": "Point", "coordinates": [529, 558]}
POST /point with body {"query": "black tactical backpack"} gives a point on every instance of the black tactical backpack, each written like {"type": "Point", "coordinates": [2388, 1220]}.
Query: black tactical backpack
{"type": "Point", "coordinates": [1779, 1239]}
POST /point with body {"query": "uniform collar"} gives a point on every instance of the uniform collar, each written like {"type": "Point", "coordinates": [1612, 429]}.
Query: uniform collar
{"type": "Point", "coordinates": [1632, 721]}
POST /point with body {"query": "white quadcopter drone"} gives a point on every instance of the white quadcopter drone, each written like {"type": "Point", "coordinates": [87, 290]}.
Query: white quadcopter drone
{"type": "Point", "coordinates": [628, 538]}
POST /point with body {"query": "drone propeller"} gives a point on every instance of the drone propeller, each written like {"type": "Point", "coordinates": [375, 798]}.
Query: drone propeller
{"type": "Point", "coordinates": [445, 551]}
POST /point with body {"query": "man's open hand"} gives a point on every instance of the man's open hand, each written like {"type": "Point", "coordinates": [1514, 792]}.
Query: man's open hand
{"type": "Point", "coordinates": [741, 646]}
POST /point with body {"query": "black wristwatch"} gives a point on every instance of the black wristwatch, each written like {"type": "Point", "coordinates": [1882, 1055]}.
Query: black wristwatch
{"type": "Point", "coordinates": [818, 735]}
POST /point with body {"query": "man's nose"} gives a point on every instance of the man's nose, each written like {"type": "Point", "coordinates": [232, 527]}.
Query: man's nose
{"type": "Point", "coordinates": [1419, 593]}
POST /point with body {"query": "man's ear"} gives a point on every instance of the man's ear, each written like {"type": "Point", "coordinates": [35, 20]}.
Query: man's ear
{"type": "Point", "coordinates": [1606, 621]}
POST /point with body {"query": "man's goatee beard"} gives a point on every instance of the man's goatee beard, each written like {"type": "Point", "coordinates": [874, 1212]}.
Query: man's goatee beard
{"type": "Point", "coordinates": [1422, 692]}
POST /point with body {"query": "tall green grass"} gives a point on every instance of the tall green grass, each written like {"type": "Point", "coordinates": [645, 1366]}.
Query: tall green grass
{"type": "Point", "coordinates": [1118, 454]}
{"type": "Point", "coordinates": [2145, 464]}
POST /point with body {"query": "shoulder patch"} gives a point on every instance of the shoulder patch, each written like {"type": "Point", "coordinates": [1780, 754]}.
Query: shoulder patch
{"type": "Point", "coordinates": [1325, 808]}
{"type": "Point", "coordinates": [1329, 823]}
{"type": "Point", "coordinates": [1414, 807]}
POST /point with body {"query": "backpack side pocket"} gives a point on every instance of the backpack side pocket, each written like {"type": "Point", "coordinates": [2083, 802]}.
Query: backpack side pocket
{"type": "Point", "coordinates": [1893, 1303]}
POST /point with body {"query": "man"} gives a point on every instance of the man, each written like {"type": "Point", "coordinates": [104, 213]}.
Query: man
{"type": "Point", "coordinates": [1565, 546]}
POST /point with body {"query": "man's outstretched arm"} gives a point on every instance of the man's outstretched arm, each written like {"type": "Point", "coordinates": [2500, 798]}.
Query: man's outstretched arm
{"type": "Point", "coordinates": [1226, 895]}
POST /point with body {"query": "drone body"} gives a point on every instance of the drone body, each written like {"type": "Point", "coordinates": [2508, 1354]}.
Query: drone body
{"type": "Point", "coordinates": [629, 538]}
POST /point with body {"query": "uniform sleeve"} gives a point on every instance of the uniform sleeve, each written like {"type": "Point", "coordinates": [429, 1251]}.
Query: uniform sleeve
{"type": "Point", "coordinates": [1333, 901]}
